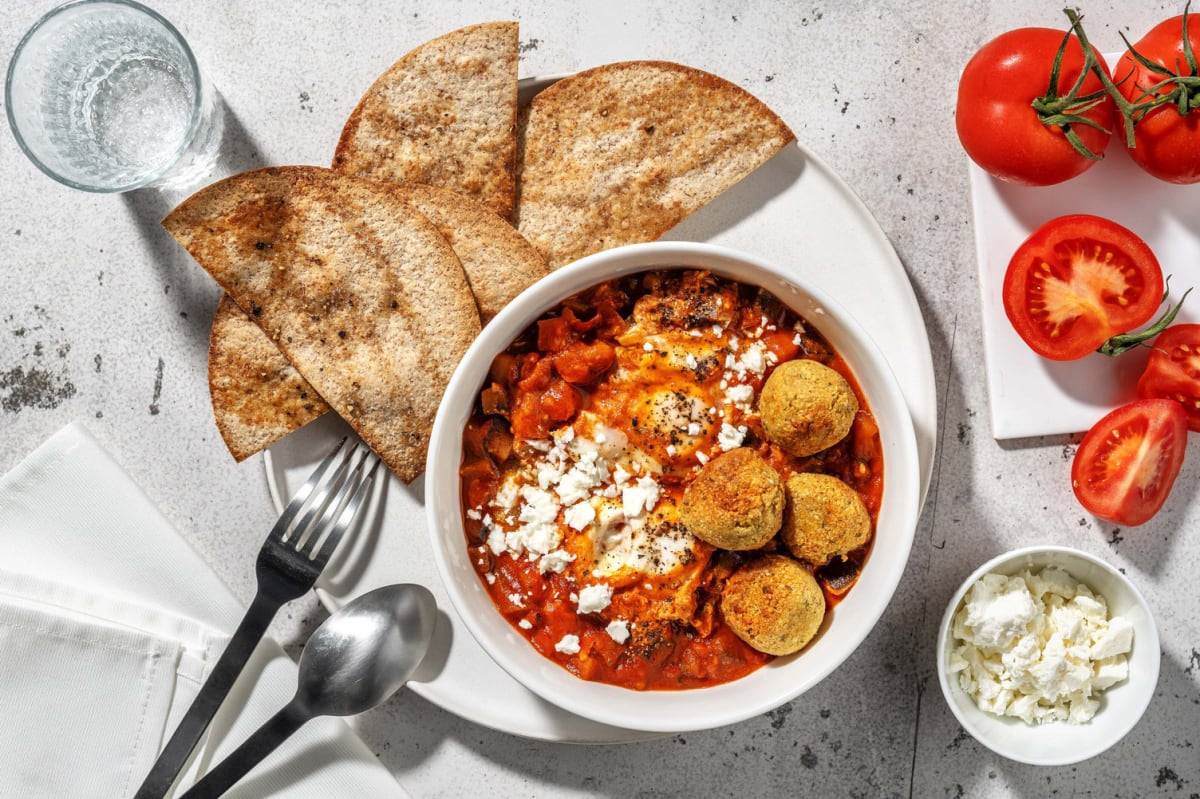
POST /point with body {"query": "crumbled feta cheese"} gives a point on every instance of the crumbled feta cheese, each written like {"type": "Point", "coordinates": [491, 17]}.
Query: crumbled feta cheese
{"type": "Point", "coordinates": [731, 437]}
{"type": "Point", "coordinates": [700, 456]}
{"type": "Point", "coordinates": [594, 598]}
{"type": "Point", "coordinates": [1038, 646]}
{"type": "Point", "coordinates": [555, 561]}
{"type": "Point", "coordinates": [525, 624]}
{"type": "Point", "coordinates": [568, 645]}
{"type": "Point", "coordinates": [473, 514]}
{"type": "Point", "coordinates": [691, 361]}
{"type": "Point", "coordinates": [618, 631]}
{"type": "Point", "coordinates": [648, 347]}
{"type": "Point", "coordinates": [506, 496]}
{"type": "Point", "coordinates": [579, 515]}
{"type": "Point", "coordinates": [642, 496]}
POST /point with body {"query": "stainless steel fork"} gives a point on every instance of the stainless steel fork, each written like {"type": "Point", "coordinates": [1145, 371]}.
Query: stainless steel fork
{"type": "Point", "coordinates": [289, 563]}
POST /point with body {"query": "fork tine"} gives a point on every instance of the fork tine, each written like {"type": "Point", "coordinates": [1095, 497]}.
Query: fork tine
{"type": "Point", "coordinates": [349, 512]}
{"type": "Point", "coordinates": [295, 535]}
{"type": "Point", "coordinates": [333, 507]}
{"type": "Point", "coordinates": [279, 531]}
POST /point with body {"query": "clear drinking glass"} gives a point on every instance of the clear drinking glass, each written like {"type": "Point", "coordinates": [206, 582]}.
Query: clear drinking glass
{"type": "Point", "coordinates": [106, 96]}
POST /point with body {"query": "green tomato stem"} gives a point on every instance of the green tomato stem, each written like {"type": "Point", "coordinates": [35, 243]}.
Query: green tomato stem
{"type": "Point", "coordinates": [1126, 108]}
{"type": "Point", "coordinates": [1124, 342]}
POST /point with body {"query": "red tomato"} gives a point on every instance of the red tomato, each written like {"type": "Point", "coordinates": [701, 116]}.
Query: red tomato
{"type": "Point", "coordinates": [1173, 370]}
{"type": "Point", "coordinates": [1126, 464]}
{"type": "Point", "coordinates": [1078, 281]}
{"type": "Point", "coordinates": [999, 128]}
{"type": "Point", "coordinates": [1166, 143]}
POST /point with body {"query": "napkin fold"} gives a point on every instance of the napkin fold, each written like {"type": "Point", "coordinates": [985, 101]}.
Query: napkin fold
{"type": "Point", "coordinates": [109, 622]}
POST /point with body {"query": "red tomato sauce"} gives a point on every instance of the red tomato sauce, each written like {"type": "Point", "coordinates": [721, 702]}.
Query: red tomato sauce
{"type": "Point", "coordinates": [593, 358]}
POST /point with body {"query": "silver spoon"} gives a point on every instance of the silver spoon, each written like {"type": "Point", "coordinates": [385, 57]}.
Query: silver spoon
{"type": "Point", "coordinates": [355, 660]}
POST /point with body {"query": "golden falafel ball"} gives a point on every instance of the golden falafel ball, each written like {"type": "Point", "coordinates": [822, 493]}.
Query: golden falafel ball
{"type": "Point", "coordinates": [825, 518]}
{"type": "Point", "coordinates": [734, 502]}
{"type": "Point", "coordinates": [774, 604]}
{"type": "Point", "coordinates": [806, 407]}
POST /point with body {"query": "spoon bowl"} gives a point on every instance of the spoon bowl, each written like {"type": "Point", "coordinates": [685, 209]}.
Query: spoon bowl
{"type": "Point", "coordinates": [367, 650]}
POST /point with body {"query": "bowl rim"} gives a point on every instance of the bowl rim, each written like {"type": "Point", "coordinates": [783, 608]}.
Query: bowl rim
{"type": "Point", "coordinates": [1010, 562]}
{"type": "Point", "coordinates": [901, 494]}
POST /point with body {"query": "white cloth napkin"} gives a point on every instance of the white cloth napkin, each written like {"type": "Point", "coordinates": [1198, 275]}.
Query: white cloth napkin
{"type": "Point", "coordinates": [109, 622]}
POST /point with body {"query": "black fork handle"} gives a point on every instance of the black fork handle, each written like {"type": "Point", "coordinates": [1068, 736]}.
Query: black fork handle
{"type": "Point", "coordinates": [175, 754]}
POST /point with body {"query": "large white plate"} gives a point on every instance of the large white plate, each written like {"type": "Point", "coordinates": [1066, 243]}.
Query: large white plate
{"type": "Point", "coordinates": [1029, 395]}
{"type": "Point", "coordinates": [793, 210]}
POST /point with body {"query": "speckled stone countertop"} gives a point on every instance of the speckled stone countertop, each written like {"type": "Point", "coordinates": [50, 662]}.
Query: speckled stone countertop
{"type": "Point", "coordinates": [104, 319]}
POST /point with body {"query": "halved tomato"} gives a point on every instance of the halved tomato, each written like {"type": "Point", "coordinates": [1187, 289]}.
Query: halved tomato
{"type": "Point", "coordinates": [1173, 370]}
{"type": "Point", "coordinates": [1126, 464]}
{"type": "Point", "coordinates": [1076, 282]}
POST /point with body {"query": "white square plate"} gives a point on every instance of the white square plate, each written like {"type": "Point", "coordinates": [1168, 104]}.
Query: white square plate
{"type": "Point", "coordinates": [1030, 395]}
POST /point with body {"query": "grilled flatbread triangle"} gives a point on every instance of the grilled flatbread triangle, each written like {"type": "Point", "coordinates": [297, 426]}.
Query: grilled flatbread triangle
{"type": "Point", "coordinates": [357, 289]}
{"type": "Point", "coordinates": [445, 114]}
{"type": "Point", "coordinates": [621, 153]}
{"type": "Point", "coordinates": [258, 397]}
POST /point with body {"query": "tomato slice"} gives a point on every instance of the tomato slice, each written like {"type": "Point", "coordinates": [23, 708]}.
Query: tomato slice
{"type": "Point", "coordinates": [1126, 464]}
{"type": "Point", "coordinates": [1076, 282]}
{"type": "Point", "coordinates": [1173, 370]}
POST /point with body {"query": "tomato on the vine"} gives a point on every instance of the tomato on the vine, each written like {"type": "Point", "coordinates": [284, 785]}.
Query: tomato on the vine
{"type": "Point", "coordinates": [1160, 73]}
{"type": "Point", "coordinates": [1173, 370]}
{"type": "Point", "coordinates": [1126, 464]}
{"type": "Point", "coordinates": [1077, 282]}
{"type": "Point", "coordinates": [1022, 122]}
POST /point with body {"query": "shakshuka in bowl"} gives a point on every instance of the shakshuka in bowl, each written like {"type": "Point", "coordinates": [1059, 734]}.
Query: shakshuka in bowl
{"type": "Point", "coordinates": [672, 486]}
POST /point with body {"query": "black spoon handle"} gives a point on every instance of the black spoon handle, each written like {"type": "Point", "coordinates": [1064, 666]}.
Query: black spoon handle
{"type": "Point", "coordinates": [261, 743]}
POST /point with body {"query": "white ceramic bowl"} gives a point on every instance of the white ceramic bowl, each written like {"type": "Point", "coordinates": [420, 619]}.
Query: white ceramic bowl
{"type": "Point", "coordinates": [1121, 705]}
{"type": "Point", "coordinates": [784, 678]}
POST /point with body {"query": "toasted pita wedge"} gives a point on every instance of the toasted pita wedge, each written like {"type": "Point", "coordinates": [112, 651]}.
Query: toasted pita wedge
{"type": "Point", "coordinates": [619, 154]}
{"type": "Point", "coordinates": [445, 114]}
{"type": "Point", "coordinates": [258, 397]}
{"type": "Point", "coordinates": [355, 287]}
{"type": "Point", "coordinates": [500, 263]}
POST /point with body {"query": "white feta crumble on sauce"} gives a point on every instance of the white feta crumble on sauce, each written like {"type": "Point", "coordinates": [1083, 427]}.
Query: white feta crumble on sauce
{"type": "Point", "coordinates": [474, 515]}
{"type": "Point", "coordinates": [639, 497]}
{"type": "Point", "coordinates": [700, 456]}
{"type": "Point", "coordinates": [525, 624]}
{"type": "Point", "coordinates": [538, 512]}
{"type": "Point", "coordinates": [555, 561]}
{"type": "Point", "coordinates": [594, 598]}
{"type": "Point", "coordinates": [648, 347]}
{"type": "Point", "coordinates": [517, 600]}
{"type": "Point", "coordinates": [587, 473]}
{"type": "Point", "coordinates": [618, 631]}
{"type": "Point", "coordinates": [731, 437]}
{"type": "Point", "coordinates": [568, 645]}
{"type": "Point", "coordinates": [740, 393]}
{"type": "Point", "coordinates": [496, 540]}
{"type": "Point", "coordinates": [579, 515]}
